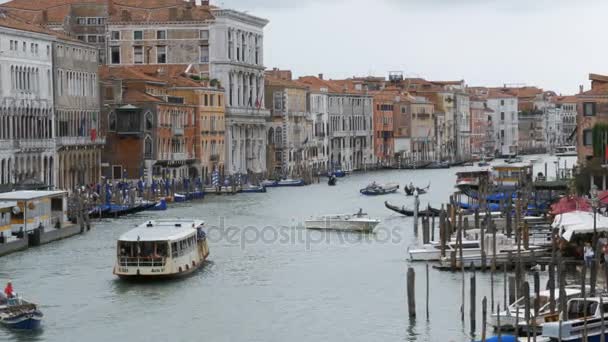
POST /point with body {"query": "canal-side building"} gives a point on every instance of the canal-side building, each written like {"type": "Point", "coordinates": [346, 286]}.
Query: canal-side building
{"type": "Point", "coordinates": [237, 61]}
{"type": "Point", "coordinates": [415, 129]}
{"type": "Point", "coordinates": [291, 145]}
{"type": "Point", "coordinates": [592, 112]}
{"type": "Point", "coordinates": [505, 122]}
{"type": "Point", "coordinates": [566, 107]}
{"type": "Point", "coordinates": [350, 123]}
{"type": "Point", "coordinates": [481, 127]}
{"type": "Point", "coordinates": [384, 140]}
{"type": "Point", "coordinates": [76, 107]}
{"type": "Point", "coordinates": [84, 20]}
{"type": "Point", "coordinates": [150, 133]}
{"type": "Point", "coordinates": [27, 145]}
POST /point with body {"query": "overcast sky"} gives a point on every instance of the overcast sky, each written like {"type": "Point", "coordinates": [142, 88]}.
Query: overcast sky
{"type": "Point", "coordinates": [554, 44]}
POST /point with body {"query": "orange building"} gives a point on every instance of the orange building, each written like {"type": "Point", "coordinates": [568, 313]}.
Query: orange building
{"type": "Point", "coordinates": [384, 141]}
{"type": "Point", "coordinates": [151, 131]}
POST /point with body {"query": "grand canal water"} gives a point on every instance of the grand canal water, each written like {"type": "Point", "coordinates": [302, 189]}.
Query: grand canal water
{"type": "Point", "coordinates": [267, 279]}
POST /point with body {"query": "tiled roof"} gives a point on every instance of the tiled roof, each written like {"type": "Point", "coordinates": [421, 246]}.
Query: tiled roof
{"type": "Point", "coordinates": [56, 10]}
{"type": "Point", "coordinates": [12, 21]}
{"type": "Point", "coordinates": [566, 99]}
{"type": "Point", "coordinates": [273, 81]}
{"type": "Point", "coordinates": [135, 95]}
{"type": "Point", "coordinates": [158, 11]}
{"type": "Point", "coordinates": [316, 84]}
{"type": "Point", "coordinates": [170, 74]}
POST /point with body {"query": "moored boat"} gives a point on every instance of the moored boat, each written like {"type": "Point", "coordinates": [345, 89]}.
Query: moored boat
{"type": "Point", "coordinates": [268, 183]}
{"type": "Point", "coordinates": [566, 151]}
{"type": "Point", "coordinates": [407, 212]}
{"type": "Point", "coordinates": [583, 321]}
{"type": "Point", "coordinates": [17, 313]}
{"type": "Point", "coordinates": [249, 189]}
{"type": "Point", "coordinates": [161, 249]}
{"type": "Point", "coordinates": [375, 189]}
{"type": "Point", "coordinates": [291, 182]}
{"type": "Point", "coordinates": [359, 222]}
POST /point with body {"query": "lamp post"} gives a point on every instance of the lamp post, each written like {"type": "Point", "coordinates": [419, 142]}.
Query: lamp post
{"type": "Point", "coordinates": [594, 204]}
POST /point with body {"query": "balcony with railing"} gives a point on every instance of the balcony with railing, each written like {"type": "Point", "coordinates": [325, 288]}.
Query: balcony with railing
{"type": "Point", "coordinates": [179, 156]}
{"type": "Point", "coordinates": [76, 141]}
{"type": "Point", "coordinates": [179, 131]}
{"type": "Point", "coordinates": [35, 144]}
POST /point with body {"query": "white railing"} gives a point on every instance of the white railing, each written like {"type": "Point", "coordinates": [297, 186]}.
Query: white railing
{"type": "Point", "coordinates": [30, 144]}
{"type": "Point", "coordinates": [73, 141]}
{"type": "Point", "coordinates": [179, 156]}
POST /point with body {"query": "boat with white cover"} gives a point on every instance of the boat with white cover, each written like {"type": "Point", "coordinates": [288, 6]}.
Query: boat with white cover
{"type": "Point", "coordinates": [583, 315]}
{"type": "Point", "coordinates": [359, 222]}
{"type": "Point", "coordinates": [515, 314]}
{"type": "Point", "coordinates": [161, 249]}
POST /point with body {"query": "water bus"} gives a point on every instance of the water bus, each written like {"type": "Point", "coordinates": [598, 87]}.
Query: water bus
{"type": "Point", "coordinates": [161, 249]}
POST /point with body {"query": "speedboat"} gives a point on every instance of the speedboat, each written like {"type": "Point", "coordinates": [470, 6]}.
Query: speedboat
{"type": "Point", "coordinates": [514, 316]}
{"type": "Point", "coordinates": [291, 182]}
{"type": "Point", "coordinates": [17, 313]}
{"type": "Point", "coordinates": [375, 189]}
{"type": "Point", "coordinates": [359, 222]}
{"type": "Point", "coordinates": [161, 249]}
{"type": "Point", "coordinates": [583, 319]}
{"type": "Point", "coordinates": [432, 251]}
{"type": "Point", "coordinates": [249, 189]}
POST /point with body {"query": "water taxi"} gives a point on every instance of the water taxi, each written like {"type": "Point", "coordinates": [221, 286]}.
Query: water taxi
{"type": "Point", "coordinates": [359, 222]}
{"type": "Point", "coordinates": [17, 313]}
{"type": "Point", "coordinates": [161, 249]}
{"type": "Point", "coordinates": [566, 151]}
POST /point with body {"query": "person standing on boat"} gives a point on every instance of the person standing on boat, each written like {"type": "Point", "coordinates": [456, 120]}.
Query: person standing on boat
{"type": "Point", "coordinates": [8, 290]}
{"type": "Point", "coordinates": [588, 254]}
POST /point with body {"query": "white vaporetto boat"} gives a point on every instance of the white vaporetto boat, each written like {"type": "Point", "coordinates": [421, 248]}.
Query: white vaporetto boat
{"type": "Point", "coordinates": [161, 249]}
{"type": "Point", "coordinates": [359, 222]}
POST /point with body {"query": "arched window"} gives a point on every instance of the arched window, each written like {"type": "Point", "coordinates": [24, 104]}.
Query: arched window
{"type": "Point", "coordinates": [278, 139]}
{"type": "Point", "coordinates": [112, 122]}
{"type": "Point", "coordinates": [148, 147]}
{"type": "Point", "coordinates": [149, 122]}
{"type": "Point", "coordinates": [271, 136]}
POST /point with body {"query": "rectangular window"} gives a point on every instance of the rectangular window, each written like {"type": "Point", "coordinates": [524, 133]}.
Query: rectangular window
{"type": "Point", "coordinates": [138, 54]}
{"type": "Point", "coordinates": [204, 34]}
{"type": "Point", "coordinates": [83, 38]}
{"type": "Point", "coordinates": [587, 137]}
{"type": "Point", "coordinates": [92, 39]}
{"type": "Point", "coordinates": [138, 35]}
{"type": "Point", "coordinates": [278, 100]}
{"type": "Point", "coordinates": [502, 102]}
{"type": "Point", "coordinates": [161, 54]}
{"type": "Point", "coordinates": [204, 54]}
{"type": "Point", "coordinates": [161, 34]}
{"type": "Point", "coordinates": [101, 39]}
{"type": "Point", "coordinates": [589, 108]}
{"type": "Point", "coordinates": [81, 21]}
{"type": "Point", "coordinates": [115, 54]}
{"type": "Point", "coordinates": [101, 21]}
{"type": "Point", "coordinates": [502, 116]}
{"type": "Point", "coordinates": [92, 21]}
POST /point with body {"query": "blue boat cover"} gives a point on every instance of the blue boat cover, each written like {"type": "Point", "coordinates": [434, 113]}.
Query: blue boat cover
{"type": "Point", "coordinates": [504, 338]}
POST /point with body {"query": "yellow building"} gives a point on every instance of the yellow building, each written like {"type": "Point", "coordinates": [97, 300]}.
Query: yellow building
{"type": "Point", "coordinates": [210, 124]}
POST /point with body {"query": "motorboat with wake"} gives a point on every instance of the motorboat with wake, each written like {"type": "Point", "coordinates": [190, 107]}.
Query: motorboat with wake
{"type": "Point", "coordinates": [359, 222]}
{"type": "Point", "coordinates": [376, 189]}
{"type": "Point", "coordinates": [407, 212]}
{"type": "Point", "coordinates": [17, 313]}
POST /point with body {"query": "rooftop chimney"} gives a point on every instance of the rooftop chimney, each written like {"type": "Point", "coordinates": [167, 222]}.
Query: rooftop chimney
{"type": "Point", "coordinates": [321, 76]}
{"type": "Point", "coordinates": [581, 89]}
{"type": "Point", "coordinates": [45, 17]}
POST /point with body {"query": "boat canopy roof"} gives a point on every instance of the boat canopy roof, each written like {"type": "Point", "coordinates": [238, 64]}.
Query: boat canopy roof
{"type": "Point", "coordinates": [579, 222]}
{"type": "Point", "coordinates": [27, 195]}
{"type": "Point", "coordinates": [7, 205]}
{"type": "Point", "coordinates": [162, 230]}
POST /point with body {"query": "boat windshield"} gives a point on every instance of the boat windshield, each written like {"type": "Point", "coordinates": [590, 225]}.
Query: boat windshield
{"type": "Point", "coordinates": [143, 249]}
{"type": "Point", "coordinates": [578, 309]}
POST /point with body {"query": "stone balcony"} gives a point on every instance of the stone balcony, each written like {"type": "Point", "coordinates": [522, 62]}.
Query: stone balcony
{"type": "Point", "coordinates": [35, 144]}
{"type": "Point", "coordinates": [79, 141]}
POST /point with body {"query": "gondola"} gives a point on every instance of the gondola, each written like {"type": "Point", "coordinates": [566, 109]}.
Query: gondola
{"type": "Point", "coordinates": [421, 191]}
{"type": "Point", "coordinates": [406, 212]}
{"type": "Point", "coordinates": [332, 180]}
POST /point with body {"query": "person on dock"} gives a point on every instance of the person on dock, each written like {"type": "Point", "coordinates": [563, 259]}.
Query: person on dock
{"type": "Point", "coordinates": [8, 290]}
{"type": "Point", "coordinates": [588, 254]}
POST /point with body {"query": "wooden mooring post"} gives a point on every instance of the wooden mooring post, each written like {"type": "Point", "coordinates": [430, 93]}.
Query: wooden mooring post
{"type": "Point", "coordinates": [427, 292]}
{"type": "Point", "coordinates": [484, 318]}
{"type": "Point", "coordinates": [472, 301]}
{"type": "Point", "coordinates": [411, 292]}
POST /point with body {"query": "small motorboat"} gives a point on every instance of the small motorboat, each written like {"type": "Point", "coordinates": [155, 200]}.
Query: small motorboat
{"type": "Point", "coordinates": [332, 180]}
{"type": "Point", "coordinates": [358, 222]}
{"type": "Point", "coordinates": [375, 189]}
{"type": "Point", "coordinates": [411, 190]}
{"type": "Point", "coordinates": [407, 212]}
{"type": "Point", "coordinates": [251, 189]}
{"type": "Point", "coordinates": [17, 313]}
{"type": "Point", "coordinates": [179, 198]}
{"type": "Point", "coordinates": [514, 160]}
{"type": "Point", "coordinates": [582, 322]}
{"type": "Point", "coordinates": [338, 173]}
{"type": "Point", "coordinates": [438, 165]}
{"type": "Point", "coordinates": [291, 182]}
{"type": "Point", "coordinates": [269, 183]}
{"type": "Point", "coordinates": [161, 205]}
